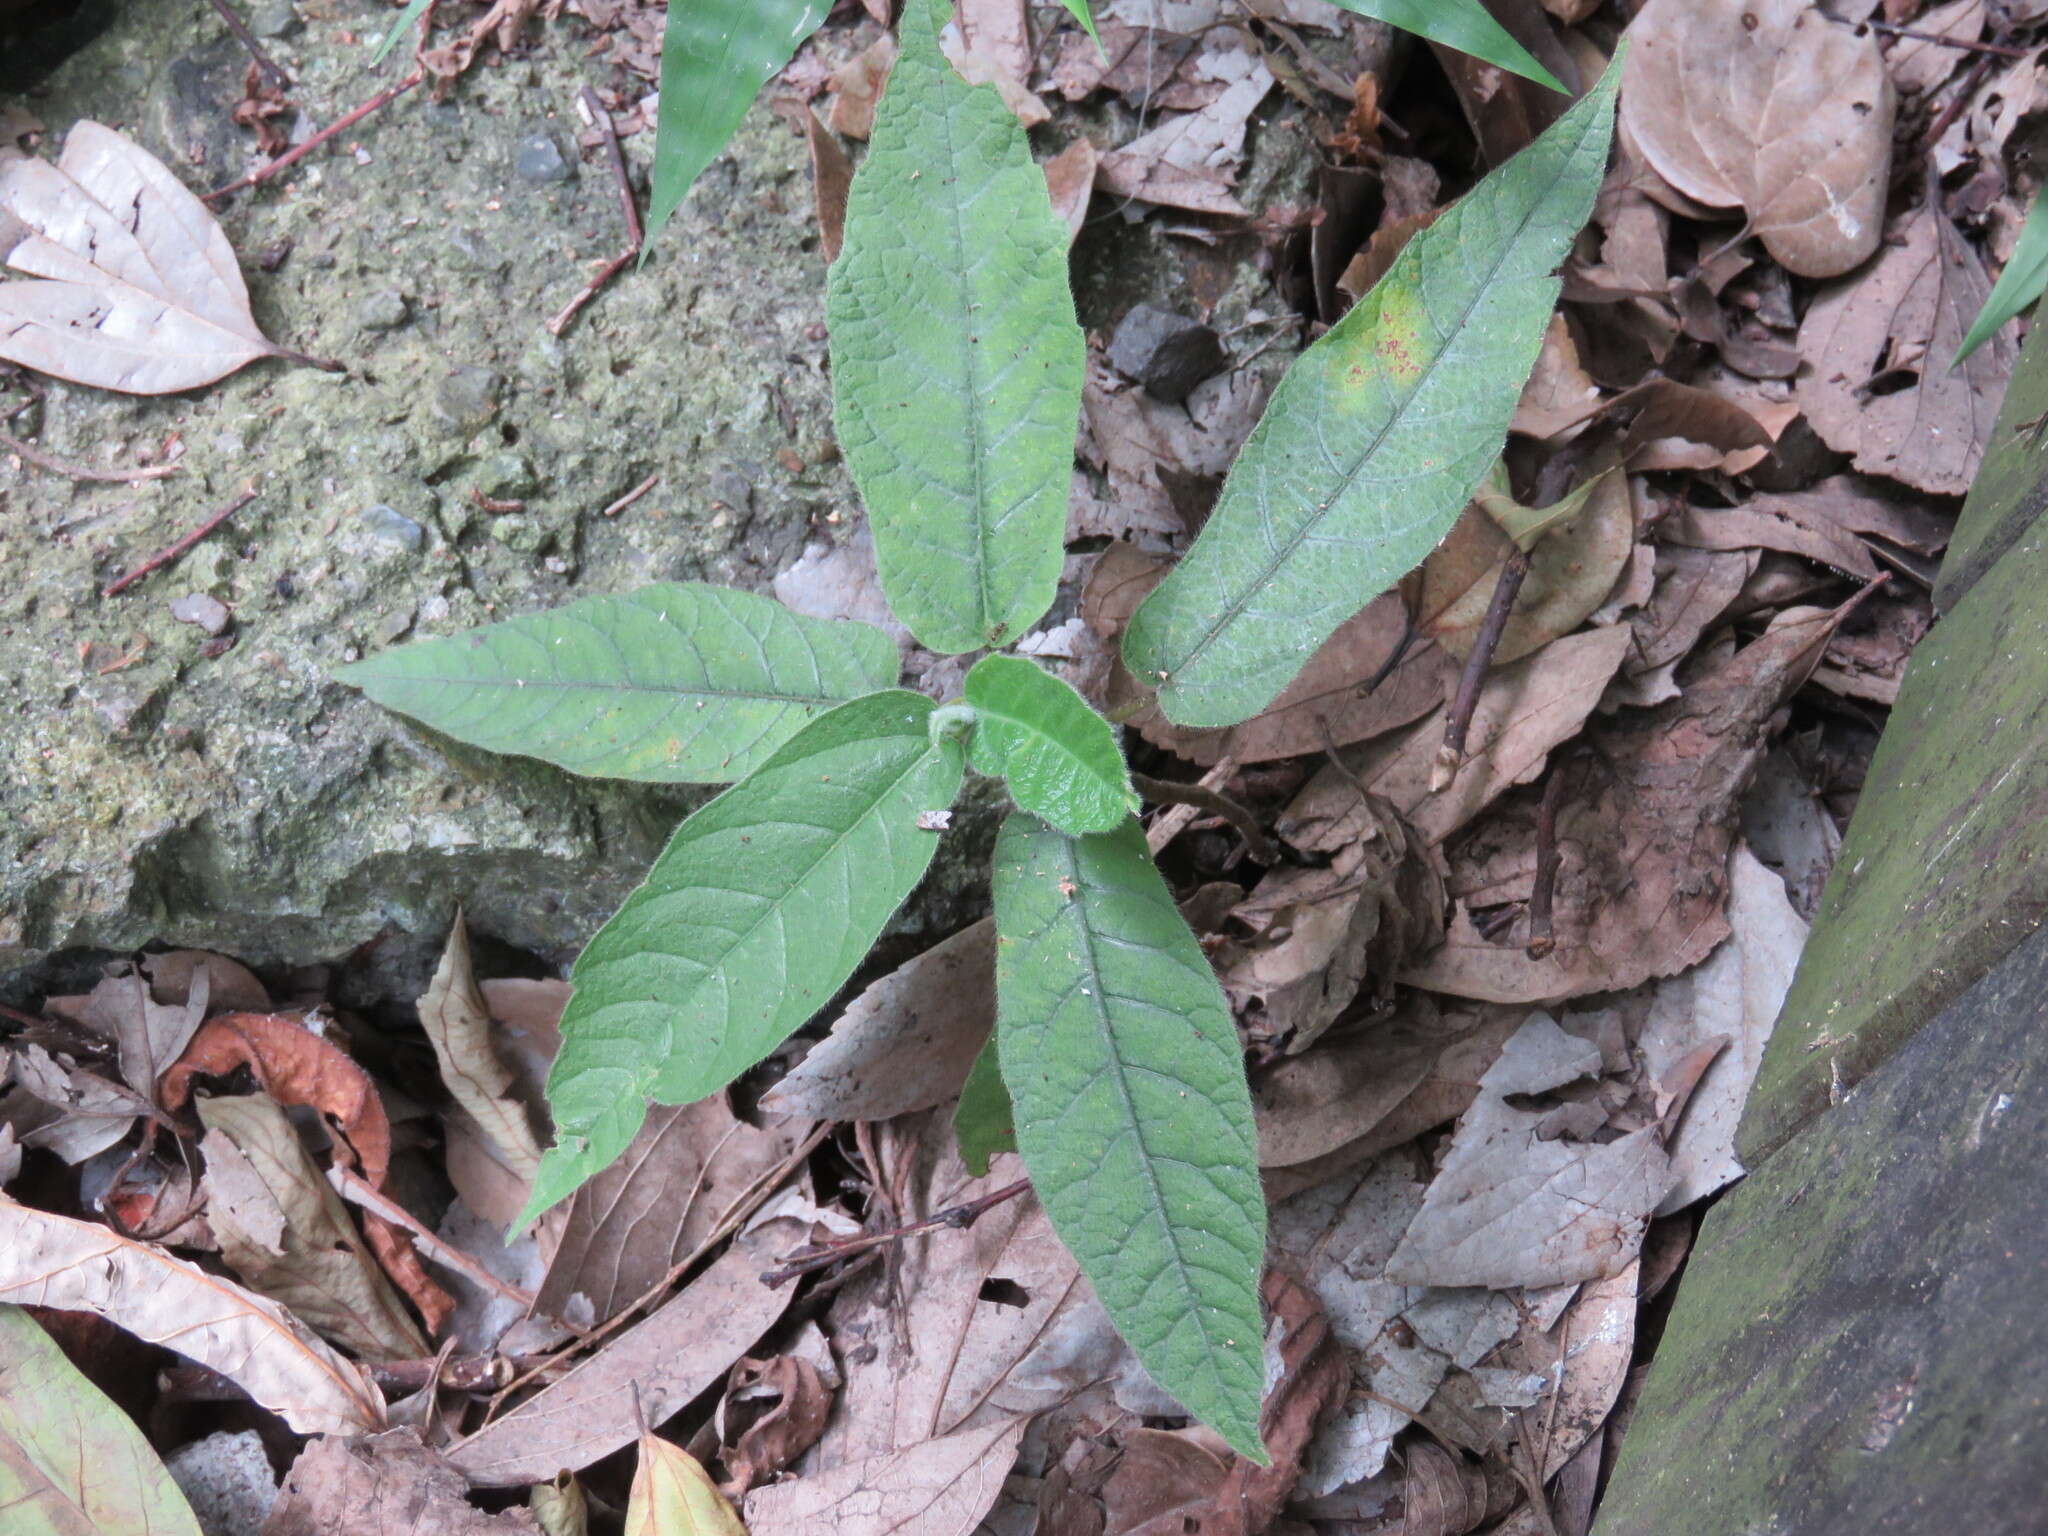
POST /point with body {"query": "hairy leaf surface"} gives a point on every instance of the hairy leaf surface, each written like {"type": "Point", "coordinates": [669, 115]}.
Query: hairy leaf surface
{"type": "Point", "coordinates": [755, 914]}
{"type": "Point", "coordinates": [715, 57]}
{"type": "Point", "coordinates": [1460, 24]}
{"type": "Point", "coordinates": [982, 1122]}
{"type": "Point", "coordinates": [956, 358]}
{"type": "Point", "coordinates": [1060, 758]}
{"type": "Point", "coordinates": [1131, 1109]}
{"type": "Point", "coordinates": [679, 682]}
{"type": "Point", "coordinates": [1376, 438]}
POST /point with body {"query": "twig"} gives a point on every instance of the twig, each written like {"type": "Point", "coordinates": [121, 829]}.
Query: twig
{"type": "Point", "coordinates": [352, 1186]}
{"type": "Point", "coordinates": [1942, 39]}
{"type": "Point", "coordinates": [16, 1016]}
{"type": "Point", "coordinates": [1202, 797]}
{"type": "Point", "coordinates": [247, 39]}
{"type": "Point", "coordinates": [593, 112]}
{"type": "Point", "coordinates": [1409, 634]}
{"type": "Point", "coordinates": [1965, 92]}
{"type": "Point", "coordinates": [57, 466]}
{"type": "Point", "coordinates": [473, 1373]}
{"type": "Point", "coordinates": [825, 1255]}
{"type": "Point", "coordinates": [1542, 940]}
{"type": "Point", "coordinates": [164, 557]}
{"type": "Point", "coordinates": [633, 495]}
{"type": "Point", "coordinates": [1170, 823]}
{"type": "Point", "coordinates": [1451, 756]}
{"type": "Point", "coordinates": [298, 152]}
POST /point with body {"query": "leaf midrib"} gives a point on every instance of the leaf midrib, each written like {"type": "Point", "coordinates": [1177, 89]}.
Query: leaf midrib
{"type": "Point", "coordinates": [746, 696]}
{"type": "Point", "coordinates": [983, 597]}
{"type": "Point", "coordinates": [1237, 605]}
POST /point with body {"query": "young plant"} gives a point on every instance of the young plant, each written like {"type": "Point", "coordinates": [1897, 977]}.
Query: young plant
{"type": "Point", "coordinates": [957, 378]}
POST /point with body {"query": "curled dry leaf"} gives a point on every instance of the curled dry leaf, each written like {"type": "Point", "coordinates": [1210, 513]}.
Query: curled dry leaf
{"type": "Point", "coordinates": [133, 286]}
{"type": "Point", "coordinates": [457, 1022]}
{"type": "Point", "coordinates": [1189, 161]}
{"type": "Point", "coordinates": [53, 1261]}
{"type": "Point", "coordinates": [1770, 106]}
{"type": "Point", "coordinates": [284, 1230]}
{"type": "Point", "coordinates": [295, 1066]}
{"type": "Point", "coordinates": [798, 1399]}
{"type": "Point", "coordinates": [381, 1483]}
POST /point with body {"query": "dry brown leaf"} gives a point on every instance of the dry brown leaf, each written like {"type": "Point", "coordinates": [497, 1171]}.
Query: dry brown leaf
{"type": "Point", "coordinates": [134, 287]}
{"type": "Point", "coordinates": [75, 1113]}
{"type": "Point", "coordinates": [1881, 385]}
{"type": "Point", "coordinates": [1597, 1335]}
{"type": "Point", "coordinates": [1768, 522]}
{"type": "Point", "coordinates": [1190, 161]}
{"type": "Point", "coordinates": [797, 1401]}
{"type": "Point", "coordinates": [457, 1022]}
{"type": "Point", "coordinates": [1000, 32]}
{"type": "Point", "coordinates": [148, 1032]}
{"type": "Point", "coordinates": [904, 1044]}
{"type": "Point", "coordinates": [647, 1211]}
{"type": "Point", "coordinates": [1643, 834]}
{"type": "Point", "coordinates": [1524, 711]}
{"type": "Point", "coordinates": [1364, 270]}
{"type": "Point", "coordinates": [1560, 397]}
{"type": "Point", "coordinates": [1146, 447]}
{"type": "Point", "coordinates": [1070, 178]}
{"type": "Point", "coordinates": [295, 1066]}
{"type": "Point", "coordinates": [53, 1261]}
{"type": "Point", "coordinates": [378, 1486]}
{"type": "Point", "coordinates": [652, 1368]}
{"type": "Point", "coordinates": [230, 985]}
{"type": "Point", "coordinates": [1772, 107]}
{"type": "Point", "coordinates": [286, 1233]}
{"type": "Point", "coordinates": [857, 86]}
{"type": "Point", "coordinates": [936, 1487]}
{"type": "Point", "coordinates": [831, 181]}
{"type": "Point", "coordinates": [1513, 1208]}
{"type": "Point", "coordinates": [1137, 62]}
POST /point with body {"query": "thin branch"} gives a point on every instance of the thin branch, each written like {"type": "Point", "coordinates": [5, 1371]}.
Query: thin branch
{"type": "Point", "coordinates": [298, 152]}
{"type": "Point", "coordinates": [164, 557]}
{"type": "Point", "coordinates": [56, 466]}
{"type": "Point", "coordinates": [1168, 792]}
{"type": "Point", "coordinates": [825, 1255]}
{"type": "Point", "coordinates": [247, 39]}
{"type": "Point", "coordinates": [593, 112]}
{"type": "Point", "coordinates": [1451, 756]}
{"type": "Point", "coordinates": [1543, 895]}
{"type": "Point", "coordinates": [633, 495]}
{"type": "Point", "coordinates": [353, 1186]}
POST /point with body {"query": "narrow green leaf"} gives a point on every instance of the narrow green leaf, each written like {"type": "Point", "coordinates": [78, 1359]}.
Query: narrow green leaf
{"type": "Point", "coordinates": [71, 1463]}
{"type": "Point", "coordinates": [399, 28]}
{"type": "Point", "coordinates": [982, 1122]}
{"type": "Point", "coordinates": [956, 358]}
{"type": "Point", "coordinates": [1460, 24]}
{"type": "Point", "coordinates": [1060, 758]}
{"type": "Point", "coordinates": [679, 683]}
{"type": "Point", "coordinates": [2024, 280]}
{"type": "Point", "coordinates": [1082, 14]}
{"type": "Point", "coordinates": [756, 912]}
{"type": "Point", "coordinates": [1376, 438]}
{"type": "Point", "coordinates": [1132, 1111]}
{"type": "Point", "coordinates": [715, 57]}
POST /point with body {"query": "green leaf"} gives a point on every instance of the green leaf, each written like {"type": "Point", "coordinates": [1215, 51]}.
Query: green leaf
{"type": "Point", "coordinates": [678, 683]}
{"type": "Point", "coordinates": [71, 1463]}
{"type": "Point", "coordinates": [715, 57]}
{"type": "Point", "coordinates": [1376, 438]}
{"type": "Point", "coordinates": [1060, 758]}
{"type": "Point", "coordinates": [1460, 24]}
{"type": "Point", "coordinates": [982, 1122]}
{"type": "Point", "coordinates": [956, 358]}
{"type": "Point", "coordinates": [1132, 1111]}
{"type": "Point", "coordinates": [756, 912]}
{"type": "Point", "coordinates": [399, 27]}
{"type": "Point", "coordinates": [2023, 281]}
{"type": "Point", "coordinates": [1082, 14]}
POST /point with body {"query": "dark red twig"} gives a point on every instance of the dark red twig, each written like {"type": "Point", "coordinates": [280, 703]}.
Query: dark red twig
{"type": "Point", "coordinates": [824, 1256]}
{"type": "Point", "coordinates": [298, 152]}
{"type": "Point", "coordinates": [57, 466]}
{"type": "Point", "coordinates": [1451, 756]}
{"type": "Point", "coordinates": [247, 39]}
{"type": "Point", "coordinates": [164, 557]}
{"type": "Point", "coordinates": [1543, 895]}
{"type": "Point", "coordinates": [593, 112]}
{"type": "Point", "coordinates": [1940, 39]}
{"type": "Point", "coordinates": [633, 495]}
{"type": "Point", "coordinates": [1172, 792]}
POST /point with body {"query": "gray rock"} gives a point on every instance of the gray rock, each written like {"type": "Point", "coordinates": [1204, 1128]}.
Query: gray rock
{"type": "Point", "coordinates": [384, 310]}
{"type": "Point", "coordinates": [209, 613]}
{"type": "Point", "coordinates": [467, 399]}
{"type": "Point", "coordinates": [507, 475]}
{"type": "Point", "coordinates": [275, 18]}
{"type": "Point", "coordinates": [1167, 353]}
{"type": "Point", "coordinates": [539, 159]}
{"type": "Point", "coordinates": [227, 1480]}
{"type": "Point", "coordinates": [393, 527]}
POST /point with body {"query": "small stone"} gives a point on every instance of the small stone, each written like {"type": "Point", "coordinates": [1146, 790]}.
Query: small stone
{"type": "Point", "coordinates": [274, 18]}
{"type": "Point", "coordinates": [209, 613]}
{"type": "Point", "coordinates": [518, 533]}
{"type": "Point", "coordinates": [385, 310]}
{"type": "Point", "coordinates": [732, 490]}
{"type": "Point", "coordinates": [539, 159]}
{"type": "Point", "coordinates": [394, 527]}
{"type": "Point", "coordinates": [506, 476]}
{"type": "Point", "coordinates": [1167, 353]}
{"type": "Point", "coordinates": [227, 1480]}
{"type": "Point", "coordinates": [392, 625]}
{"type": "Point", "coordinates": [468, 398]}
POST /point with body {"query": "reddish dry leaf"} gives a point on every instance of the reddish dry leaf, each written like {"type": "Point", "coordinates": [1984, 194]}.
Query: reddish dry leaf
{"type": "Point", "coordinates": [1770, 523]}
{"type": "Point", "coordinates": [797, 1402]}
{"type": "Point", "coordinates": [231, 986]}
{"type": "Point", "coordinates": [1881, 385]}
{"type": "Point", "coordinates": [1365, 269]}
{"type": "Point", "coordinates": [1560, 397]}
{"type": "Point", "coordinates": [1770, 106]}
{"type": "Point", "coordinates": [295, 1066]}
{"type": "Point", "coordinates": [831, 180]}
{"type": "Point", "coordinates": [379, 1485]}
{"type": "Point", "coordinates": [999, 31]}
{"type": "Point", "coordinates": [857, 86]}
{"type": "Point", "coordinates": [1070, 178]}
{"type": "Point", "coordinates": [1643, 835]}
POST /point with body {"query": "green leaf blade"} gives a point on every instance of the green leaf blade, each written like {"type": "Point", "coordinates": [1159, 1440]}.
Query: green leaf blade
{"type": "Point", "coordinates": [1059, 757]}
{"type": "Point", "coordinates": [2023, 281]}
{"type": "Point", "coordinates": [678, 683]}
{"type": "Point", "coordinates": [1460, 24]}
{"type": "Point", "coordinates": [755, 914]}
{"type": "Point", "coordinates": [1375, 439]}
{"type": "Point", "coordinates": [956, 357]}
{"type": "Point", "coordinates": [982, 1122]}
{"type": "Point", "coordinates": [1132, 1112]}
{"type": "Point", "coordinates": [715, 57]}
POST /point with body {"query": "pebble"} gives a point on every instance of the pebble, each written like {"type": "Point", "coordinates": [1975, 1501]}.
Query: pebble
{"type": "Point", "coordinates": [539, 159]}
{"type": "Point", "coordinates": [209, 613]}
{"type": "Point", "coordinates": [1167, 353]}
{"type": "Point", "coordinates": [394, 527]}
{"type": "Point", "coordinates": [468, 397]}
{"type": "Point", "coordinates": [381, 311]}
{"type": "Point", "coordinates": [274, 18]}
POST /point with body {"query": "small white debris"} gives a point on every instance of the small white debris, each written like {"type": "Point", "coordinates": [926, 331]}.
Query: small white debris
{"type": "Point", "coordinates": [934, 821]}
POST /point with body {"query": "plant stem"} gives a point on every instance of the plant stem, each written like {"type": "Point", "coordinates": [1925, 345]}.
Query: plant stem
{"type": "Point", "coordinates": [594, 112]}
{"type": "Point", "coordinates": [164, 557]}
{"type": "Point", "coordinates": [1542, 940]}
{"type": "Point", "coordinates": [825, 1255]}
{"type": "Point", "coordinates": [298, 152]}
{"type": "Point", "coordinates": [247, 39]}
{"type": "Point", "coordinates": [1168, 792]}
{"type": "Point", "coordinates": [56, 466]}
{"type": "Point", "coordinates": [1451, 756]}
